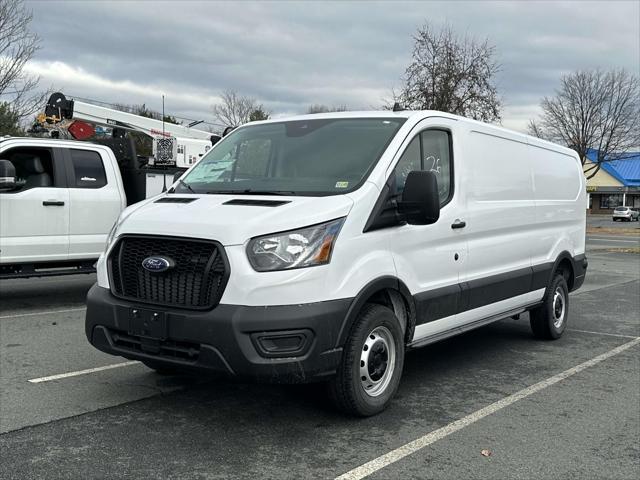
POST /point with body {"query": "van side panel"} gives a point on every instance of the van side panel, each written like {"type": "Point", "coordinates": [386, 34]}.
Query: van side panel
{"type": "Point", "coordinates": [560, 194]}
{"type": "Point", "coordinates": [500, 205]}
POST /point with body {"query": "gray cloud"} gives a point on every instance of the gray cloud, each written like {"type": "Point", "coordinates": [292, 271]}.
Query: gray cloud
{"type": "Point", "coordinates": [292, 54]}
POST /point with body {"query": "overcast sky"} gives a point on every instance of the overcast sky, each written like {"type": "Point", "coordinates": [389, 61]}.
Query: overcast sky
{"type": "Point", "coordinates": [290, 54]}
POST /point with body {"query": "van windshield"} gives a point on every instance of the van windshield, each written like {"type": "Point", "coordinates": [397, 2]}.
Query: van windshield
{"type": "Point", "coordinates": [302, 157]}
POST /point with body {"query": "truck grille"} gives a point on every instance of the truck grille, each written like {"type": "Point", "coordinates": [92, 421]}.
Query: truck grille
{"type": "Point", "coordinates": [196, 279]}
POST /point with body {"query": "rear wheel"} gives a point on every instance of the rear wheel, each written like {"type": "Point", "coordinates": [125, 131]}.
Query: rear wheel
{"type": "Point", "coordinates": [372, 362]}
{"type": "Point", "coordinates": [549, 320]}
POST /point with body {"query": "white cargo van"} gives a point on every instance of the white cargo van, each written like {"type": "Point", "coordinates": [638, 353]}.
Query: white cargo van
{"type": "Point", "coordinates": [322, 247]}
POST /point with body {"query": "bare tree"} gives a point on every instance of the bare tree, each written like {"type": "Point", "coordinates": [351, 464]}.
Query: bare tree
{"type": "Point", "coordinates": [594, 111]}
{"type": "Point", "coordinates": [17, 47]}
{"type": "Point", "coordinates": [451, 73]}
{"type": "Point", "coordinates": [320, 108]}
{"type": "Point", "coordinates": [535, 129]}
{"type": "Point", "coordinates": [235, 109]}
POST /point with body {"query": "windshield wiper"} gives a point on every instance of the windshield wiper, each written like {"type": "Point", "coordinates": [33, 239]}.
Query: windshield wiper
{"type": "Point", "coordinates": [249, 191]}
{"type": "Point", "coordinates": [186, 185]}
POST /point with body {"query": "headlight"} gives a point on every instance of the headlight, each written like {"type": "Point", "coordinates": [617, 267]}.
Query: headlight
{"type": "Point", "coordinates": [306, 247]}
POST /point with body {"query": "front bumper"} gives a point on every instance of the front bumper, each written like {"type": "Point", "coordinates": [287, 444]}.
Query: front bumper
{"type": "Point", "coordinates": [280, 344]}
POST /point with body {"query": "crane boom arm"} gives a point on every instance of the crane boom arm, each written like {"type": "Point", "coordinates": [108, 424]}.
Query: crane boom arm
{"type": "Point", "coordinates": [59, 108]}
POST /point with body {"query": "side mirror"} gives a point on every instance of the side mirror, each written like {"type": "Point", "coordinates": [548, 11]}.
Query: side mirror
{"type": "Point", "coordinates": [7, 175]}
{"type": "Point", "coordinates": [177, 175]}
{"type": "Point", "coordinates": [420, 203]}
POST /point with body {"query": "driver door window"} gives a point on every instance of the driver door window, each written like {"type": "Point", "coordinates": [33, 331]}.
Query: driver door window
{"type": "Point", "coordinates": [428, 151]}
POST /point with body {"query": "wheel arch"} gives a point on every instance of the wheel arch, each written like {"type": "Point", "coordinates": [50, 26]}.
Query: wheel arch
{"type": "Point", "coordinates": [390, 292]}
{"type": "Point", "coordinates": [565, 264]}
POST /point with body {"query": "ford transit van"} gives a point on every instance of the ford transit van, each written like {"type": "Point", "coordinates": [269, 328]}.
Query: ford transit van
{"type": "Point", "coordinates": [321, 248]}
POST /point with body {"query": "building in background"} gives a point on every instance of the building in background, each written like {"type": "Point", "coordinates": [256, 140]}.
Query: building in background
{"type": "Point", "coordinates": [617, 183]}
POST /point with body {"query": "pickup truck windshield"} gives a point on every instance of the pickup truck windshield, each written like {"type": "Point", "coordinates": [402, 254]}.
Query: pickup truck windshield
{"type": "Point", "coordinates": [301, 157]}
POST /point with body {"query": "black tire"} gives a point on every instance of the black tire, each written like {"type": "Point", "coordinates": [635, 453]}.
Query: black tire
{"type": "Point", "coordinates": [375, 329]}
{"type": "Point", "coordinates": [549, 320]}
{"type": "Point", "coordinates": [160, 369]}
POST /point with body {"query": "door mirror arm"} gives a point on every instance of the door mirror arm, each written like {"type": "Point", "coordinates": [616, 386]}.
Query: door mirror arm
{"type": "Point", "coordinates": [385, 212]}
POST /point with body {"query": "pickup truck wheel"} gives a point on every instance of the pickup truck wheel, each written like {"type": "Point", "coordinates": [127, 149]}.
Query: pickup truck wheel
{"type": "Point", "coordinates": [549, 320]}
{"type": "Point", "coordinates": [160, 369]}
{"type": "Point", "coordinates": [372, 362]}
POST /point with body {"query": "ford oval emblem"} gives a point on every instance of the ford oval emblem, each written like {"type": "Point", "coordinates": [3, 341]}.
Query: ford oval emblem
{"type": "Point", "coordinates": [157, 264]}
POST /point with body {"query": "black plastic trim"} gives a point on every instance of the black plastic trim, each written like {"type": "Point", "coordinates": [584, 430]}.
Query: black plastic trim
{"type": "Point", "coordinates": [453, 299]}
{"type": "Point", "coordinates": [496, 288]}
{"type": "Point", "coordinates": [256, 202]}
{"type": "Point", "coordinates": [47, 269]}
{"type": "Point", "coordinates": [305, 335]}
{"type": "Point", "coordinates": [224, 336]}
{"type": "Point", "coordinates": [439, 303]}
{"type": "Point", "coordinates": [215, 300]}
{"type": "Point", "coordinates": [175, 200]}
{"type": "Point", "coordinates": [373, 287]}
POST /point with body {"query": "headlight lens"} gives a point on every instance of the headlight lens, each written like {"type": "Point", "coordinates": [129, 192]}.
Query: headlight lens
{"type": "Point", "coordinates": [306, 247]}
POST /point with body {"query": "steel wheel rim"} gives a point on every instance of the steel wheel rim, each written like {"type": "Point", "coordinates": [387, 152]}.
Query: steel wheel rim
{"type": "Point", "coordinates": [559, 307]}
{"type": "Point", "coordinates": [377, 361]}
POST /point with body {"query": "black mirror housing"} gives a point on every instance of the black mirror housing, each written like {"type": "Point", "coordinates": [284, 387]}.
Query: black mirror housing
{"type": "Point", "coordinates": [420, 203]}
{"type": "Point", "coordinates": [7, 175]}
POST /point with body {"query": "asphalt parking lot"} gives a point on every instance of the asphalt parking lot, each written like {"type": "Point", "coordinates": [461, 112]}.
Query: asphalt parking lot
{"type": "Point", "coordinates": [563, 409]}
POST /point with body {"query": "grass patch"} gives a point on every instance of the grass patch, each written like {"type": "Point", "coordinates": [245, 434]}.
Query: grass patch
{"type": "Point", "coordinates": [614, 231]}
{"type": "Point", "coordinates": [635, 250]}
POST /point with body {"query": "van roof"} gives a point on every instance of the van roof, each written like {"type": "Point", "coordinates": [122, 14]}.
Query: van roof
{"type": "Point", "coordinates": [497, 129]}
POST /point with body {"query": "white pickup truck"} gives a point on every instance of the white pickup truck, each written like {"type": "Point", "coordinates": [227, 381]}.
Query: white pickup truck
{"type": "Point", "coordinates": [58, 201]}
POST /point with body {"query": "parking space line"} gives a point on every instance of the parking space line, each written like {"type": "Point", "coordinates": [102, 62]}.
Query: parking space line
{"type": "Point", "coordinates": [602, 333]}
{"type": "Point", "coordinates": [48, 312]}
{"type": "Point", "coordinates": [399, 453]}
{"type": "Point", "coordinates": [81, 372]}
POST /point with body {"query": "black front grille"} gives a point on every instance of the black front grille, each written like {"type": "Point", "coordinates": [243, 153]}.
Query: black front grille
{"type": "Point", "coordinates": [196, 280]}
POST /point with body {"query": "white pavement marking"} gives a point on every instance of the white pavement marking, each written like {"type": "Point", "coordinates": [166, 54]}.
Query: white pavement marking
{"type": "Point", "coordinates": [399, 453]}
{"type": "Point", "coordinates": [81, 372]}
{"type": "Point", "coordinates": [602, 333]}
{"type": "Point", "coordinates": [48, 312]}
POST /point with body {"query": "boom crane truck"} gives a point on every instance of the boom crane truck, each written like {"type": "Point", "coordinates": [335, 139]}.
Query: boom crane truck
{"type": "Point", "coordinates": [60, 196]}
{"type": "Point", "coordinates": [175, 147]}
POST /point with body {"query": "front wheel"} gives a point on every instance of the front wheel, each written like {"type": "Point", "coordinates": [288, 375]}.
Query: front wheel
{"type": "Point", "coordinates": [549, 320]}
{"type": "Point", "coordinates": [372, 362]}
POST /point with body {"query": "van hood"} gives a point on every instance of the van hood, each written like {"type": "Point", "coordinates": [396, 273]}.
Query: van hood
{"type": "Point", "coordinates": [232, 219]}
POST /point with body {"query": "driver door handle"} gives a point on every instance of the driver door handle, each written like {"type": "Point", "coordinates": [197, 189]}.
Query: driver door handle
{"type": "Point", "coordinates": [459, 223]}
{"type": "Point", "coordinates": [52, 203]}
